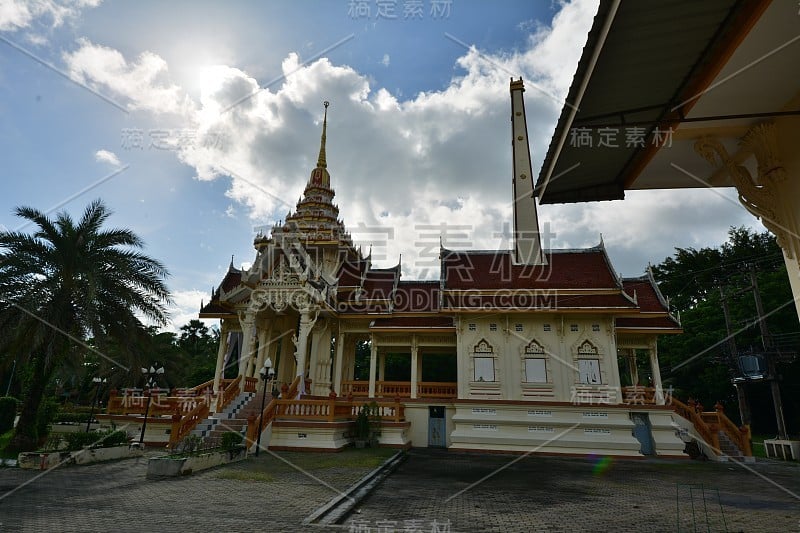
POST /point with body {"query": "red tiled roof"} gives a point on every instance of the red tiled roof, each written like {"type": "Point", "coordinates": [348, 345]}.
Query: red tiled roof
{"type": "Point", "coordinates": [529, 300]}
{"type": "Point", "coordinates": [566, 269]}
{"type": "Point", "coordinates": [417, 297]}
{"type": "Point", "coordinates": [214, 308]}
{"type": "Point", "coordinates": [643, 322]}
{"type": "Point", "coordinates": [646, 294]}
{"type": "Point", "coordinates": [379, 284]}
{"type": "Point", "coordinates": [413, 322]}
{"type": "Point", "coordinates": [231, 280]}
{"type": "Point", "coordinates": [350, 273]}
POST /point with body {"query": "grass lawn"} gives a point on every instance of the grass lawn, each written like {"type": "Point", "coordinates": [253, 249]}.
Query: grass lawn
{"type": "Point", "coordinates": [758, 445]}
{"type": "Point", "coordinates": [268, 467]}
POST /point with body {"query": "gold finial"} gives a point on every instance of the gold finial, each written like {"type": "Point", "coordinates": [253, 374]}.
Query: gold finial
{"type": "Point", "coordinates": [321, 162]}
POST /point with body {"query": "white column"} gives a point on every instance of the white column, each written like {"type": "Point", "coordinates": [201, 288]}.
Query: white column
{"type": "Point", "coordinates": [656, 373]}
{"type": "Point", "coordinates": [248, 327]}
{"type": "Point", "coordinates": [264, 344]}
{"type": "Point", "coordinates": [306, 323]}
{"type": "Point", "coordinates": [339, 363]}
{"type": "Point", "coordinates": [373, 363]}
{"type": "Point", "coordinates": [633, 368]}
{"type": "Point", "coordinates": [414, 367]}
{"type": "Point", "coordinates": [223, 348]}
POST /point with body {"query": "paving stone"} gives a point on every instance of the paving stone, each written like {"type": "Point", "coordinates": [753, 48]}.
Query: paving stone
{"type": "Point", "coordinates": [533, 494]}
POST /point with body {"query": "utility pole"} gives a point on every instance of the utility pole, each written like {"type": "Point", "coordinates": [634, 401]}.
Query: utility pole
{"type": "Point", "coordinates": [744, 407]}
{"type": "Point", "coordinates": [769, 354]}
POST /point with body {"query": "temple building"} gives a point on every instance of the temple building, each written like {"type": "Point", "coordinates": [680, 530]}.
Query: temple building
{"type": "Point", "coordinates": [523, 350]}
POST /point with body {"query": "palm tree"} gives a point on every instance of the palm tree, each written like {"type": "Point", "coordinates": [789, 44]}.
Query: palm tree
{"type": "Point", "coordinates": [68, 282]}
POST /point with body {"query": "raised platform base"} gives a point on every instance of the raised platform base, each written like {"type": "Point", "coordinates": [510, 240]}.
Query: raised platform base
{"type": "Point", "coordinates": [564, 429]}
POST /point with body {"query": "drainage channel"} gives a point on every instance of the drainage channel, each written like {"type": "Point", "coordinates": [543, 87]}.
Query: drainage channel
{"type": "Point", "coordinates": [336, 510]}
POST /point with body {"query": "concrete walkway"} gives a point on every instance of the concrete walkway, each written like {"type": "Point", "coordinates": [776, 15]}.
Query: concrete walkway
{"type": "Point", "coordinates": [532, 494]}
{"type": "Point", "coordinates": [570, 494]}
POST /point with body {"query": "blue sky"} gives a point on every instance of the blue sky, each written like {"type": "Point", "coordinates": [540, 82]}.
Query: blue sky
{"type": "Point", "coordinates": [417, 127]}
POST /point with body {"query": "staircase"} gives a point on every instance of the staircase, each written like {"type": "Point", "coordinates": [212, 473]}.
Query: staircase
{"type": "Point", "coordinates": [718, 437]}
{"type": "Point", "coordinates": [728, 448]}
{"type": "Point", "coordinates": [232, 418]}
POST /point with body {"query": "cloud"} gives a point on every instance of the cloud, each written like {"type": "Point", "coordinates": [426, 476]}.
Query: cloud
{"type": "Point", "coordinates": [20, 14]}
{"type": "Point", "coordinates": [406, 171]}
{"type": "Point", "coordinates": [105, 156]}
{"type": "Point", "coordinates": [385, 60]}
{"type": "Point", "coordinates": [185, 307]}
{"type": "Point", "coordinates": [143, 83]}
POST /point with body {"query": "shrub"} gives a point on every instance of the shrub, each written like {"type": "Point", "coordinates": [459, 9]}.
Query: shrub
{"type": "Point", "coordinates": [76, 441]}
{"type": "Point", "coordinates": [53, 443]}
{"type": "Point", "coordinates": [115, 438]}
{"type": "Point", "coordinates": [44, 418]}
{"type": "Point", "coordinates": [189, 443]}
{"type": "Point", "coordinates": [76, 418]}
{"type": "Point", "coordinates": [8, 411]}
{"type": "Point", "coordinates": [231, 440]}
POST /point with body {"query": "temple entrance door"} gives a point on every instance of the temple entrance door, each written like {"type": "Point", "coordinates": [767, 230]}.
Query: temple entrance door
{"type": "Point", "coordinates": [642, 432]}
{"type": "Point", "coordinates": [436, 427]}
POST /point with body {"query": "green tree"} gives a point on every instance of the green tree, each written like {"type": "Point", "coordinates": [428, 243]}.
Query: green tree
{"type": "Point", "coordinates": [64, 283]}
{"type": "Point", "coordinates": [698, 363]}
{"type": "Point", "coordinates": [200, 344]}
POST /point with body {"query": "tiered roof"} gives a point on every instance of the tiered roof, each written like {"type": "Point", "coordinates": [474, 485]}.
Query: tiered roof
{"type": "Point", "coordinates": [470, 281]}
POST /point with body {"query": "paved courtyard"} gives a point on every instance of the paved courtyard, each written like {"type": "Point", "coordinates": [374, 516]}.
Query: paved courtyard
{"type": "Point", "coordinates": [426, 493]}
{"type": "Point", "coordinates": [539, 493]}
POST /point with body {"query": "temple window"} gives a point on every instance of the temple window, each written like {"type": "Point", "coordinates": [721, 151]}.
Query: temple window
{"type": "Point", "coordinates": [483, 361]}
{"type": "Point", "coordinates": [535, 363]}
{"type": "Point", "coordinates": [589, 364]}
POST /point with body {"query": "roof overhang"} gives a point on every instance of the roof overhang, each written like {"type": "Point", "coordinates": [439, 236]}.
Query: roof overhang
{"type": "Point", "coordinates": [658, 76]}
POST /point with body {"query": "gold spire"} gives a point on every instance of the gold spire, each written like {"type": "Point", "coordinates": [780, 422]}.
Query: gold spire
{"type": "Point", "coordinates": [321, 162]}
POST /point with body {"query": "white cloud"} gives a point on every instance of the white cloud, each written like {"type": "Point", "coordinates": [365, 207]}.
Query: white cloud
{"type": "Point", "coordinates": [405, 171]}
{"type": "Point", "coordinates": [385, 60]}
{"type": "Point", "coordinates": [142, 83]}
{"type": "Point", "coordinates": [20, 14]}
{"type": "Point", "coordinates": [105, 156]}
{"type": "Point", "coordinates": [186, 305]}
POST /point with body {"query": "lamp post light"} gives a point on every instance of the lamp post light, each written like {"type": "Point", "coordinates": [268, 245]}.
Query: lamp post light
{"type": "Point", "coordinates": [266, 373]}
{"type": "Point", "coordinates": [151, 376]}
{"type": "Point", "coordinates": [99, 382]}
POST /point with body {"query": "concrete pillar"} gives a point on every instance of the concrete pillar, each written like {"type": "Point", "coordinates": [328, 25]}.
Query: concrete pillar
{"type": "Point", "coordinates": [373, 363]}
{"type": "Point", "coordinates": [632, 366]}
{"type": "Point", "coordinates": [656, 373]}
{"type": "Point", "coordinates": [248, 330]}
{"type": "Point", "coordinates": [264, 345]}
{"type": "Point", "coordinates": [223, 348]}
{"type": "Point", "coordinates": [339, 363]}
{"type": "Point", "coordinates": [414, 368]}
{"type": "Point", "coordinates": [301, 348]}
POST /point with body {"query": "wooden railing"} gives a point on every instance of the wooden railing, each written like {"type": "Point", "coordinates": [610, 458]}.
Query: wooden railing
{"type": "Point", "coordinates": [402, 389]}
{"type": "Point", "coordinates": [703, 430]}
{"type": "Point", "coordinates": [231, 392]}
{"type": "Point", "coordinates": [250, 384]}
{"type": "Point", "coordinates": [356, 388]}
{"type": "Point", "coordinates": [265, 417]}
{"type": "Point", "coordinates": [182, 426]}
{"type": "Point", "coordinates": [200, 389]}
{"type": "Point", "coordinates": [432, 389]}
{"type": "Point", "coordinates": [638, 395]}
{"type": "Point", "coordinates": [717, 420]}
{"type": "Point", "coordinates": [160, 404]}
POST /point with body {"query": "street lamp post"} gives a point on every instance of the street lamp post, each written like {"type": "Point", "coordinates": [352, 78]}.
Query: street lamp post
{"type": "Point", "coordinates": [99, 382]}
{"type": "Point", "coordinates": [151, 375]}
{"type": "Point", "coordinates": [266, 373]}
